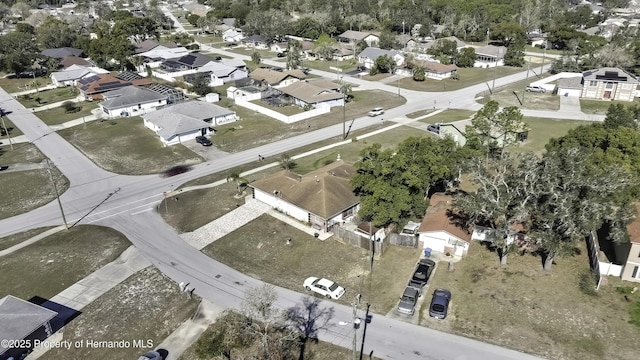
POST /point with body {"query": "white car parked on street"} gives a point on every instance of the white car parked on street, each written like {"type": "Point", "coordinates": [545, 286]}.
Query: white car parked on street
{"type": "Point", "coordinates": [324, 287]}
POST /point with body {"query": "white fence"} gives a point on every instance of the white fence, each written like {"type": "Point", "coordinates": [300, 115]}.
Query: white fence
{"type": "Point", "coordinates": [610, 269]}
{"type": "Point", "coordinates": [282, 117]}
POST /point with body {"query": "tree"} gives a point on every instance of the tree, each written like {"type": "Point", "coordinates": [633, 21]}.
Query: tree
{"type": "Point", "coordinates": [256, 58]}
{"type": "Point", "coordinates": [193, 19]}
{"type": "Point", "coordinates": [419, 74]}
{"type": "Point", "coordinates": [515, 52]}
{"type": "Point", "coordinates": [139, 29]}
{"type": "Point", "coordinates": [346, 89]}
{"type": "Point", "coordinates": [270, 24]}
{"type": "Point", "coordinates": [507, 32]}
{"type": "Point", "coordinates": [388, 40]}
{"type": "Point", "coordinates": [55, 33]}
{"type": "Point", "coordinates": [239, 180]}
{"type": "Point", "coordinates": [619, 115]}
{"type": "Point", "coordinates": [308, 320]}
{"type": "Point", "coordinates": [18, 52]}
{"type": "Point", "coordinates": [294, 55]}
{"type": "Point", "coordinates": [444, 48]}
{"type": "Point", "coordinates": [307, 27]}
{"type": "Point", "coordinates": [494, 129]}
{"type": "Point", "coordinates": [25, 28]}
{"type": "Point", "coordinates": [384, 64]}
{"type": "Point", "coordinates": [200, 84]}
{"type": "Point", "coordinates": [286, 162]}
{"type": "Point", "coordinates": [324, 46]}
{"type": "Point", "coordinates": [466, 57]}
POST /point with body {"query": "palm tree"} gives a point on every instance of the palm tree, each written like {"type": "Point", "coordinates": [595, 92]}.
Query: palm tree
{"type": "Point", "coordinates": [347, 90]}
{"type": "Point", "coordinates": [239, 180]}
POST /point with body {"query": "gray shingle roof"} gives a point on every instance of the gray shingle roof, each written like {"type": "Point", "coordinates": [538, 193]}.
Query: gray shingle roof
{"type": "Point", "coordinates": [609, 74]}
{"type": "Point", "coordinates": [20, 318]}
{"type": "Point", "coordinates": [185, 117]}
{"type": "Point", "coordinates": [310, 93]}
{"type": "Point", "coordinates": [373, 53]}
{"type": "Point", "coordinates": [59, 53]}
{"type": "Point", "coordinates": [128, 96]}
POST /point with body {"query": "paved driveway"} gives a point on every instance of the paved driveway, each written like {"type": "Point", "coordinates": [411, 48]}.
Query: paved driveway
{"type": "Point", "coordinates": [568, 103]}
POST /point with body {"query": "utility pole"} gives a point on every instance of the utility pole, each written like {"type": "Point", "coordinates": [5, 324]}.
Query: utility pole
{"type": "Point", "coordinates": [495, 72]}
{"type": "Point", "coordinates": [356, 326]}
{"type": "Point", "coordinates": [527, 78]}
{"type": "Point", "coordinates": [6, 131]}
{"type": "Point", "coordinates": [55, 188]}
{"type": "Point", "coordinates": [544, 55]}
{"type": "Point", "coordinates": [344, 116]}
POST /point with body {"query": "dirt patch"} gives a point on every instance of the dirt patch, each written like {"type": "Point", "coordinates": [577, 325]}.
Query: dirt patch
{"type": "Point", "coordinates": [54, 263]}
{"type": "Point", "coordinates": [30, 189]}
{"type": "Point", "coordinates": [525, 308]}
{"type": "Point", "coordinates": [147, 306]}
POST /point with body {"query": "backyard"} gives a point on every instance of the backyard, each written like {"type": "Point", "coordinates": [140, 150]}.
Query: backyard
{"type": "Point", "coordinates": [59, 115]}
{"type": "Point", "coordinates": [45, 97]}
{"type": "Point", "coordinates": [467, 77]}
{"type": "Point", "coordinates": [547, 313]}
{"type": "Point", "coordinates": [131, 148]}
{"type": "Point", "coordinates": [543, 130]}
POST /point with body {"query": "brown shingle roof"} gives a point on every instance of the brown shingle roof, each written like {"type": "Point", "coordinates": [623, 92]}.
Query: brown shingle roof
{"type": "Point", "coordinates": [324, 192]}
{"type": "Point", "coordinates": [273, 77]}
{"type": "Point", "coordinates": [437, 218]}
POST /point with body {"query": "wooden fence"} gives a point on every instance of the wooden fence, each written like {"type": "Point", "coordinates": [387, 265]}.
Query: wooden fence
{"type": "Point", "coordinates": [354, 239]}
{"type": "Point", "coordinates": [403, 240]}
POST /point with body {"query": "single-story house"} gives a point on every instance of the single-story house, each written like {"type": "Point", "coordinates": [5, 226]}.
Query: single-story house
{"type": "Point", "coordinates": [59, 53]}
{"type": "Point", "coordinates": [342, 53]}
{"type": "Point", "coordinates": [279, 47]}
{"type": "Point", "coordinates": [231, 35]}
{"type": "Point", "coordinates": [437, 71]}
{"type": "Point", "coordinates": [571, 87]}
{"type": "Point", "coordinates": [93, 86]}
{"type": "Point", "coordinates": [67, 61]}
{"type": "Point", "coordinates": [184, 121]}
{"type": "Point", "coordinates": [369, 55]}
{"type": "Point", "coordinates": [609, 84]}
{"type": "Point", "coordinates": [322, 198]}
{"type": "Point", "coordinates": [313, 94]}
{"type": "Point", "coordinates": [70, 75]}
{"type": "Point", "coordinates": [439, 229]}
{"type": "Point", "coordinates": [219, 73]}
{"type": "Point", "coordinates": [631, 257]}
{"type": "Point", "coordinates": [196, 9]}
{"type": "Point", "coordinates": [131, 101]}
{"type": "Point", "coordinates": [22, 320]}
{"type": "Point", "coordinates": [354, 37]}
{"type": "Point", "coordinates": [277, 79]}
{"type": "Point", "coordinates": [155, 56]}
{"type": "Point", "coordinates": [457, 129]}
{"type": "Point", "coordinates": [190, 61]}
{"type": "Point", "coordinates": [236, 63]}
{"type": "Point", "coordinates": [308, 51]}
{"type": "Point", "coordinates": [489, 56]}
{"type": "Point", "coordinates": [255, 41]}
{"type": "Point", "coordinates": [407, 42]}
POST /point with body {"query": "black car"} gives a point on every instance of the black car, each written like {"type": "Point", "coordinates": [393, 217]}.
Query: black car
{"type": "Point", "coordinates": [203, 141]}
{"type": "Point", "coordinates": [176, 170]}
{"type": "Point", "coordinates": [421, 274]}
{"type": "Point", "coordinates": [440, 303]}
{"type": "Point", "coordinates": [4, 167]}
{"type": "Point", "coordinates": [281, 54]}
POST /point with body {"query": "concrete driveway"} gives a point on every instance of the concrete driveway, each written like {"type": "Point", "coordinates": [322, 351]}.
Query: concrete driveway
{"type": "Point", "coordinates": [568, 103]}
{"type": "Point", "coordinates": [207, 152]}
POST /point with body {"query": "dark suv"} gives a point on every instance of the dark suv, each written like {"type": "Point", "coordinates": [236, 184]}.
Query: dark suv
{"type": "Point", "coordinates": [203, 141]}
{"type": "Point", "coordinates": [421, 274]}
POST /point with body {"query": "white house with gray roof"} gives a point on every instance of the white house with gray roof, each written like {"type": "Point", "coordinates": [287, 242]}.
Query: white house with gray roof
{"type": "Point", "coordinates": [131, 101]}
{"type": "Point", "coordinates": [315, 94]}
{"type": "Point", "coordinates": [220, 73]}
{"type": "Point", "coordinates": [70, 75]}
{"type": "Point", "coordinates": [182, 122]}
{"type": "Point", "coordinates": [369, 55]}
{"type": "Point", "coordinates": [609, 84]}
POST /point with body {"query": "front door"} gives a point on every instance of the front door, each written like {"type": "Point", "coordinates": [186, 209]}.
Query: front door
{"type": "Point", "coordinates": [607, 95]}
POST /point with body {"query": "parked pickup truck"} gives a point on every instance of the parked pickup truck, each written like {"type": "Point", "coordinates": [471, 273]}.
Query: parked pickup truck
{"type": "Point", "coordinates": [421, 274]}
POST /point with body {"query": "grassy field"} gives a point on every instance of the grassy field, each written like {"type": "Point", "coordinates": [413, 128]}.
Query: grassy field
{"type": "Point", "coordinates": [468, 77]}
{"type": "Point", "coordinates": [506, 97]}
{"type": "Point", "coordinates": [8, 241]}
{"type": "Point", "coordinates": [12, 85]}
{"type": "Point", "coordinates": [58, 115]}
{"type": "Point", "coordinates": [324, 65]}
{"type": "Point", "coordinates": [270, 259]}
{"type": "Point", "coordinates": [147, 306]}
{"type": "Point", "coordinates": [256, 129]}
{"type": "Point", "coordinates": [419, 113]}
{"type": "Point", "coordinates": [264, 53]}
{"type": "Point", "coordinates": [448, 116]}
{"type": "Point", "coordinates": [30, 189]}
{"type": "Point", "coordinates": [48, 96]}
{"type": "Point", "coordinates": [525, 308]}
{"type": "Point", "coordinates": [601, 106]}
{"type": "Point", "coordinates": [285, 110]}
{"type": "Point", "coordinates": [543, 130]}
{"type": "Point", "coordinates": [126, 146]}
{"type": "Point", "coordinates": [54, 263]}
{"type": "Point", "coordinates": [12, 129]}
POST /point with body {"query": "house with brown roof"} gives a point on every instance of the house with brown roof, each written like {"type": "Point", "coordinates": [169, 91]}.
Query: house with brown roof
{"type": "Point", "coordinates": [322, 198]}
{"type": "Point", "coordinates": [434, 70]}
{"type": "Point", "coordinates": [277, 79]}
{"type": "Point", "coordinates": [354, 37]}
{"type": "Point", "coordinates": [314, 94]}
{"type": "Point", "coordinates": [439, 229]}
{"type": "Point", "coordinates": [92, 87]}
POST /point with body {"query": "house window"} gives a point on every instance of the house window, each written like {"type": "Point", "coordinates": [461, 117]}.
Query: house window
{"type": "Point", "coordinates": [634, 274]}
{"type": "Point", "coordinates": [609, 85]}
{"type": "Point", "coordinates": [593, 83]}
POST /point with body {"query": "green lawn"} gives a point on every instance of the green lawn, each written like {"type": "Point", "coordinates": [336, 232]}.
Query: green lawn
{"type": "Point", "coordinates": [601, 106]}
{"type": "Point", "coordinates": [11, 240]}
{"type": "Point", "coordinates": [448, 116]}
{"type": "Point", "coordinates": [324, 65]}
{"type": "Point", "coordinates": [530, 48]}
{"type": "Point", "coordinates": [126, 146]}
{"type": "Point", "coordinates": [468, 77]}
{"type": "Point", "coordinates": [48, 97]}
{"type": "Point", "coordinates": [12, 85]}
{"type": "Point", "coordinates": [58, 115]}
{"type": "Point", "coordinates": [54, 263]}
{"type": "Point", "coordinates": [11, 128]}
{"type": "Point", "coordinates": [264, 53]}
{"type": "Point", "coordinates": [543, 130]}
{"type": "Point", "coordinates": [419, 113]}
{"type": "Point", "coordinates": [514, 95]}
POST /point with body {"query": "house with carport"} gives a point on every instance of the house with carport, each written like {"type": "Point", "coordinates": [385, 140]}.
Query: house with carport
{"type": "Point", "coordinates": [22, 320]}
{"type": "Point", "coordinates": [218, 73]}
{"type": "Point", "coordinates": [440, 230]}
{"type": "Point", "coordinates": [322, 198]}
{"type": "Point", "coordinates": [182, 122]}
{"type": "Point", "coordinates": [131, 101]}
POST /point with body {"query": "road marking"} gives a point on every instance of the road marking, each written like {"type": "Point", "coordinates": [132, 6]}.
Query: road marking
{"type": "Point", "coordinates": [140, 212]}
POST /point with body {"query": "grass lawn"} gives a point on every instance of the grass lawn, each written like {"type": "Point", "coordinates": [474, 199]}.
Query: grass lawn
{"type": "Point", "coordinates": [58, 115]}
{"type": "Point", "coordinates": [29, 188]}
{"type": "Point", "coordinates": [14, 85]}
{"type": "Point", "coordinates": [47, 97]}
{"type": "Point", "coordinates": [264, 53]}
{"type": "Point", "coordinates": [285, 110]}
{"type": "Point", "coordinates": [126, 146]}
{"type": "Point", "coordinates": [324, 65]}
{"type": "Point", "coordinates": [54, 263]}
{"type": "Point", "coordinates": [207, 39]}
{"type": "Point", "coordinates": [530, 48]}
{"type": "Point", "coordinates": [270, 259]}
{"type": "Point", "coordinates": [543, 130]}
{"type": "Point", "coordinates": [525, 308]}
{"type": "Point", "coordinates": [256, 129]}
{"type": "Point", "coordinates": [419, 113]}
{"type": "Point", "coordinates": [448, 116]}
{"type": "Point", "coordinates": [147, 306]}
{"type": "Point", "coordinates": [601, 106]}
{"type": "Point", "coordinates": [468, 77]}
{"type": "Point", "coordinates": [376, 77]}
{"type": "Point", "coordinates": [8, 241]}
{"type": "Point", "coordinates": [12, 129]}
{"type": "Point", "coordinates": [506, 97]}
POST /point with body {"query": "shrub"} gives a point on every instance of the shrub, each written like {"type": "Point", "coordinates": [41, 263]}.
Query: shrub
{"type": "Point", "coordinates": [626, 290]}
{"type": "Point", "coordinates": [587, 283]}
{"type": "Point", "coordinates": [634, 313]}
{"type": "Point", "coordinates": [69, 107]}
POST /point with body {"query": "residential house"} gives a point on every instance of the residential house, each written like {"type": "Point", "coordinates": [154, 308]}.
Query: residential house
{"type": "Point", "coordinates": [231, 35]}
{"type": "Point", "coordinates": [630, 254]}
{"type": "Point", "coordinates": [435, 70]}
{"type": "Point", "coordinates": [255, 41]}
{"type": "Point", "coordinates": [489, 56]}
{"type": "Point", "coordinates": [342, 53]}
{"type": "Point", "coordinates": [67, 61]}
{"type": "Point", "coordinates": [279, 47]}
{"type": "Point", "coordinates": [314, 94]}
{"type": "Point", "coordinates": [182, 122]}
{"type": "Point", "coordinates": [407, 42]}
{"type": "Point", "coordinates": [131, 101]}
{"type": "Point", "coordinates": [236, 63]}
{"type": "Point", "coordinates": [196, 9]}
{"type": "Point", "coordinates": [354, 37]}
{"type": "Point", "coordinates": [93, 86]}
{"type": "Point", "coordinates": [322, 198]}
{"type": "Point", "coordinates": [609, 84]}
{"type": "Point", "coordinates": [190, 61]}
{"type": "Point", "coordinates": [277, 79]}
{"type": "Point", "coordinates": [148, 45]}
{"type": "Point", "coordinates": [308, 51]}
{"type": "Point", "coordinates": [70, 75]}
{"type": "Point", "coordinates": [570, 87]}
{"type": "Point", "coordinates": [22, 320]}
{"type": "Point", "coordinates": [157, 55]}
{"type": "Point", "coordinates": [456, 130]}
{"type": "Point", "coordinates": [369, 55]}
{"type": "Point", "coordinates": [218, 73]}
{"type": "Point", "coordinates": [59, 53]}
{"type": "Point", "coordinates": [440, 231]}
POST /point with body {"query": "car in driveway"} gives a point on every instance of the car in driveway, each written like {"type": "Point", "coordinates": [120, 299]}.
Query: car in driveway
{"type": "Point", "coordinates": [376, 111]}
{"type": "Point", "coordinates": [421, 274]}
{"type": "Point", "coordinates": [440, 303]}
{"type": "Point", "coordinates": [175, 170]}
{"type": "Point", "coordinates": [151, 355]}
{"type": "Point", "coordinates": [202, 140]}
{"type": "Point", "coordinates": [324, 287]}
{"type": "Point", "coordinates": [407, 304]}
{"type": "Point", "coordinates": [535, 88]}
